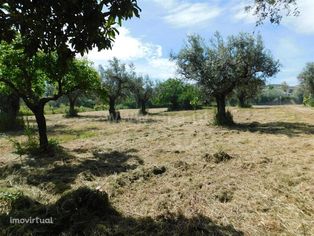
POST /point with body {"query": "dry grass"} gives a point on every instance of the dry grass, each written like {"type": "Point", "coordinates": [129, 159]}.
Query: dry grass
{"type": "Point", "coordinates": [162, 164]}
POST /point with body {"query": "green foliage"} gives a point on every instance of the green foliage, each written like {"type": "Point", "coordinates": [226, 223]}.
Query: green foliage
{"type": "Point", "coordinates": [100, 107]}
{"type": "Point", "coordinates": [176, 94]}
{"type": "Point", "coordinates": [308, 101]}
{"type": "Point", "coordinates": [254, 65]}
{"type": "Point", "coordinates": [246, 92]}
{"type": "Point", "coordinates": [10, 196]}
{"type": "Point", "coordinates": [38, 42]}
{"type": "Point", "coordinates": [31, 145]}
{"type": "Point", "coordinates": [115, 84]}
{"type": "Point", "coordinates": [306, 78]}
{"type": "Point", "coordinates": [272, 10]}
{"type": "Point", "coordinates": [275, 95]}
{"type": "Point", "coordinates": [68, 27]}
{"type": "Point", "coordinates": [115, 79]}
{"type": "Point", "coordinates": [85, 77]}
{"type": "Point", "coordinates": [25, 111]}
{"type": "Point", "coordinates": [142, 90]}
{"type": "Point", "coordinates": [222, 65]}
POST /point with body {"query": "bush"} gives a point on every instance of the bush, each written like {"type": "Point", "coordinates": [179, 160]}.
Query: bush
{"type": "Point", "coordinates": [100, 107]}
{"type": "Point", "coordinates": [308, 101]}
{"type": "Point", "coordinates": [31, 145]}
{"type": "Point", "coordinates": [25, 111]}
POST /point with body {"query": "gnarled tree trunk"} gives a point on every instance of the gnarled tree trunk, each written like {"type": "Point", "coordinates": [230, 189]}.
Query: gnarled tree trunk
{"type": "Point", "coordinates": [241, 101]}
{"type": "Point", "coordinates": [72, 111]}
{"type": "Point", "coordinates": [221, 106]}
{"type": "Point", "coordinates": [42, 127]}
{"type": "Point", "coordinates": [10, 106]}
{"type": "Point", "coordinates": [143, 108]}
{"type": "Point", "coordinates": [221, 117]}
{"type": "Point", "coordinates": [113, 115]}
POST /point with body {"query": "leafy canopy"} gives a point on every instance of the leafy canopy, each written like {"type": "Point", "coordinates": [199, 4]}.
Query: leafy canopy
{"type": "Point", "coordinates": [64, 26]}
{"type": "Point", "coordinates": [222, 64]}
{"type": "Point", "coordinates": [30, 77]}
{"type": "Point", "coordinates": [306, 78]}
{"type": "Point", "coordinates": [115, 78]}
{"type": "Point", "coordinates": [273, 10]}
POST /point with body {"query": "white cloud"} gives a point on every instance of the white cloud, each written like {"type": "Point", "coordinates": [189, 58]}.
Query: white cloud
{"type": "Point", "coordinates": [304, 23]}
{"type": "Point", "coordinates": [240, 14]}
{"type": "Point", "coordinates": [127, 47]}
{"type": "Point", "coordinates": [182, 14]}
{"type": "Point", "coordinates": [147, 57]}
{"type": "Point", "coordinates": [158, 68]}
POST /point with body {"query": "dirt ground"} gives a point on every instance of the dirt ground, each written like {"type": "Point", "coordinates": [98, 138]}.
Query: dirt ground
{"type": "Point", "coordinates": [169, 163]}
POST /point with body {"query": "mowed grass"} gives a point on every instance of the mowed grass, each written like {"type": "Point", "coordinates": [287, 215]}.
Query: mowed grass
{"type": "Point", "coordinates": [163, 164]}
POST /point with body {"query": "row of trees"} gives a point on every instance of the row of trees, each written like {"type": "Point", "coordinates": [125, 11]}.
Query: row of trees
{"type": "Point", "coordinates": [238, 65]}
{"type": "Point", "coordinates": [37, 53]}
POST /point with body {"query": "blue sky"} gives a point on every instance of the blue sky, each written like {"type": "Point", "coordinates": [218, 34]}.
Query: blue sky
{"type": "Point", "coordinates": [164, 25]}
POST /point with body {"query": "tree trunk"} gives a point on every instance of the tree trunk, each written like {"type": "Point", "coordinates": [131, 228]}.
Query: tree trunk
{"type": "Point", "coordinates": [221, 116]}
{"type": "Point", "coordinates": [72, 111]}
{"type": "Point", "coordinates": [241, 101]}
{"type": "Point", "coordinates": [174, 104]}
{"type": "Point", "coordinates": [221, 105]}
{"type": "Point", "coordinates": [143, 108]}
{"type": "Point", "coordinates": [10, 105]}
{"type": "Point", "coordinates": [42, 128]}
{"type": "Point", "coordinates": [113, 115]}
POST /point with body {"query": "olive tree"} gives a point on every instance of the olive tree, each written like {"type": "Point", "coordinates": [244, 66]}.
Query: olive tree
{"type": "Point", "coordinates": [115, 81]}
{"type": "Point", "coordinates": [62, 28]}
{"type": "Point", "coordinates": [306, 78]}
{"type": "Point", "coordinates": [222, 65]}
{"type": "Point", "coordinates": [142, 89]}
{"type": "Point", "coordinates": [29, 77]}
{"type": "Point", "coordinates": [211, 66]}
{"type": "Point", "coordinates": [81, 70]}
{"type": "Point", "coordinates": [249, 90]}
{"type": "Point", "coordinates": [254, 64]}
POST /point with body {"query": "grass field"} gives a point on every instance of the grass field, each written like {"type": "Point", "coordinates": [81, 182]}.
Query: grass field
{"type": "Point", "coordinates": [256, 178]}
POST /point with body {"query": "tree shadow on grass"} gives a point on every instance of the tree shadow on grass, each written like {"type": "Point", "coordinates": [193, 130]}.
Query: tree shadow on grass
{"type": "Point", "coordinates": [89, 212]}
{"type": "Point", "coordinates": [287, 128]}
{"type": "Point", "coordinates": [56, 174]}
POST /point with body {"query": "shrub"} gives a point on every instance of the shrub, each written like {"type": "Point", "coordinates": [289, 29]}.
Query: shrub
{"type": "Point", "coordinates": [31, 145]}
{"type": "Point", "coordinates": [100, 107]}
{"type": "Point", "coordinates": [308, 101]}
